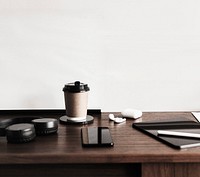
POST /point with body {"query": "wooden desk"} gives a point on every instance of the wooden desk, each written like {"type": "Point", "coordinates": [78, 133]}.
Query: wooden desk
{"type": "Point", "coordinates": [134, 154]}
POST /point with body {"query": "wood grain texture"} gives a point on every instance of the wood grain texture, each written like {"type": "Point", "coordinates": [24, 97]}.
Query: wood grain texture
{"type": "Point", "coordinates": [187, 170]}
{"type": "Point", "coordinates": [171, 170]}
{"type": "Point", "coordinates": [131, 146]}
{"type": "Point", "coordinates": [158, 170]}
{"type": "Point", "coordinates": [134, 153]}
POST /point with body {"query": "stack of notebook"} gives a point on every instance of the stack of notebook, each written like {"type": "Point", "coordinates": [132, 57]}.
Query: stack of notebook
{"type": "Point", "coordinates": [178, 133]}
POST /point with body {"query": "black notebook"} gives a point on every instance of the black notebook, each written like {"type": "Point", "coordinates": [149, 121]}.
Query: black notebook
{"type": "Point", "coordinates": [151, 128]}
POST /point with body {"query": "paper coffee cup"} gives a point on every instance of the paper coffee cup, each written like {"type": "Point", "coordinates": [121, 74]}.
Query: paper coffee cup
{"type": "Point", "coordinates": [76, 100]}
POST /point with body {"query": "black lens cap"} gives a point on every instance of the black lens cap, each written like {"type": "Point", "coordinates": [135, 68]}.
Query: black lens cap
{"type": "Point", "coordinates": [45, 126]}
{"type": "Point", "coordinates": [20, 133]}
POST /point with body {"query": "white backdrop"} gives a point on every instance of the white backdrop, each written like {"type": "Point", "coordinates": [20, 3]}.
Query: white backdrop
{"type": "Point", "coordinates": [132, 53]}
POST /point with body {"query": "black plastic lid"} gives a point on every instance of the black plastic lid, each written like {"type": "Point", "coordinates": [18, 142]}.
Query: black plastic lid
{"type": "Point", "coordinates": [76, 87]}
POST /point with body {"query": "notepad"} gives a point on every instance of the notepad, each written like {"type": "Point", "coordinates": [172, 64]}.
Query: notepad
{"type": "Point", "coordinates": [174, 125]}
{"type": "Point", "coordinates": [196, 115]}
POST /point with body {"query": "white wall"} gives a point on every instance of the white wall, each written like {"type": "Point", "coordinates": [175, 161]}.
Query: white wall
{"type": "Point", "coordinates": [132, 53]}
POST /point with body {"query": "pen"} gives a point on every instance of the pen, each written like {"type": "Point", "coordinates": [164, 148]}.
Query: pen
{"type": "Point", "coordinates": [175, 133]}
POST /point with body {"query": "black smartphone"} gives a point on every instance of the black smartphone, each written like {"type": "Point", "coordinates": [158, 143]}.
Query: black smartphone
{"type": "Point", "coordinates": [96, 137]}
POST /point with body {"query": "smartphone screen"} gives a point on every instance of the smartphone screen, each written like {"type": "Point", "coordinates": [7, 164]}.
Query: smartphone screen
{"type": "Point", "coordinates": [96, 137]}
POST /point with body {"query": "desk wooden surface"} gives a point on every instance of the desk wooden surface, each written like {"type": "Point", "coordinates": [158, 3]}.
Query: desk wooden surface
{"type": "Point", "coordinates": [131, 146]}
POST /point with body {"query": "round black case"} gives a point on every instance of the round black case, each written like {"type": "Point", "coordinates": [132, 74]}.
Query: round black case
{"type": "Point", "coordinates": [45, 126]}
{"type": "Point", "coordinates": [20, 133]}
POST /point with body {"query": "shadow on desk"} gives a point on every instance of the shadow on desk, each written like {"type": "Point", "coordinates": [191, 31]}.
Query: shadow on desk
{"type": "Point", "coordinates": [71, 170]}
